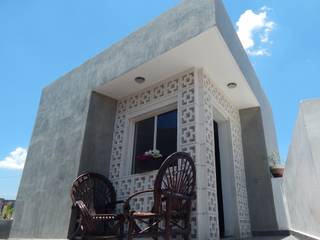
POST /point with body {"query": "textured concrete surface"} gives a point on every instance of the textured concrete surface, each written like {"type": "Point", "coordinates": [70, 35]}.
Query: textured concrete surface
{"type": "Point", "coordinates": [302, 171]}
{"type": "Point", "coordinates": [5, 226]}
{"type": "Point", "coordinates": [56, 153]}
{"type": "Point", "coordinates": [43, 203]}
{"type": "Point", "coordinates": [97, 143]}
{"type": "Point", "coordinates": [281, 208]}
{"type": "Point", "coordinates": [257, 171]}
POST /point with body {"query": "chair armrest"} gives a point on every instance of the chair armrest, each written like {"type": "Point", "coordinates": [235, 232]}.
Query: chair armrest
{"type": "Point", "coordinates": [84, 214]}
{"type": "Point", "coordinates": [118, 202]}
{"type": "Point", "coordinates": [170, 194]}
{"type": "Point", "coordinates": [82, 207]}
{"type": "Point", "coordinates": [126, 206]}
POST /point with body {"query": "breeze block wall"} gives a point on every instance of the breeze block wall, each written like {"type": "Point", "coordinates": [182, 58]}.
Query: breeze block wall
{"type": "Point", "coordinates": [194, 94]}
{"type": "Point", "coordinates": [210, 98]}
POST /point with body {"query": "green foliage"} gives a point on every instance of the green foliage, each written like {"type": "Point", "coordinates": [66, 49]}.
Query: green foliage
{"type": "Point", "coordinates": [7, 212]}
{"type": "Point", "coordinates": [275, 160]}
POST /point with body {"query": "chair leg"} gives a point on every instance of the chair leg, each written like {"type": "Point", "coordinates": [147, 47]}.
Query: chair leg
{"type": "Point", "coordinates": [167, 220]}
{"type": "Point", "coordinates": [121, 232]}
{"type": "Point", "coordinates": [82, 233]}
{"type": "Point", "coordinates": [130, 230]}
{"type": "Point", "coordinates": [167, 233]}
{"type": "Point", "coordinates": [156, 227]}
{"type": "Point", "coordinates": [76, 231]}
{"type": "Point", "coordinates": [121, 228]}
{"type": "Point", "coordinates": [167, 230]}
{"type": "Point", "coordinates": [188, 228]}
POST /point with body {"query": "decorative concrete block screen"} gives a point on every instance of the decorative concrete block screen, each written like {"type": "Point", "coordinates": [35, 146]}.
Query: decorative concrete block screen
{"type": "Point", "coordinates": [213, 98]}
{"type": "Point", "coordinates": [195, 96]}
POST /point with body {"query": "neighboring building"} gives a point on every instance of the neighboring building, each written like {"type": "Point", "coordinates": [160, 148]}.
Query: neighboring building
{"type": "Point", "coordinates": [200, 95]}
{"type": "Point", "coordinates": [1, 204]}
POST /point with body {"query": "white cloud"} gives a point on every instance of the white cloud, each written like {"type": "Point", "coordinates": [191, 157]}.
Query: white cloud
{"type": "Point", "coordinates": [254, 29]}
{"type": "Point", "coordinates": [15, 160]}
{"type": "Point", "coordinates": [258, 52]}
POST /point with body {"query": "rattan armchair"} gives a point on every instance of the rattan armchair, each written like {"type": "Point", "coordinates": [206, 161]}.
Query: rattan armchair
{"type": "Point", "coordinates": [94, 200]}
{"type": "Point", "coordinates": [173, 193]}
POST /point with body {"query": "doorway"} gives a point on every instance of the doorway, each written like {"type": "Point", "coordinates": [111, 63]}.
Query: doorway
{"type": "Point", "coordinates": [218, 179]}
{"type": "Point", "coordinates": [225, 179]}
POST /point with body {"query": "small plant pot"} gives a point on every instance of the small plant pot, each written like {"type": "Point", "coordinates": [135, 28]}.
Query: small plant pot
{"type": "Point", "coordinates": [277, 171]}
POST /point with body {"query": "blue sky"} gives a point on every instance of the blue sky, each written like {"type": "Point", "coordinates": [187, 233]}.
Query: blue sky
{"type": "Point", "coordinates": [42, 40]}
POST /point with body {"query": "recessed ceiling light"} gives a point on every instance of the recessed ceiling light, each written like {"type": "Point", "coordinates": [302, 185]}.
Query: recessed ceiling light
{"type": "Point", "coordinates": [140, 80]}
{"type": "Point", "coordinates": [232, 85]}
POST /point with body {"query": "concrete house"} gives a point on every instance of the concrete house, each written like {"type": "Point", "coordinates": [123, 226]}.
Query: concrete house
{"type": "Point", "coordinates": [181, 83]}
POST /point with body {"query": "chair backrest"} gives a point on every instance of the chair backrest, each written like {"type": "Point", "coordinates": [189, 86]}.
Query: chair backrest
{"type": "Point", "coordinates": [96, 191]}
{"type": "Point", "coordinates": [177, 174]}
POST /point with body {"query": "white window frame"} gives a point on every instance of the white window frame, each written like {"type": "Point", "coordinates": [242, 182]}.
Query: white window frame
{"type": "Point", "coordinates": [136, 116]}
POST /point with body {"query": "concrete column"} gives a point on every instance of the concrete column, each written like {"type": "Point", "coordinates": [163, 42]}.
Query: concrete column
{"type": "Point", "coordinates": [97, 143]}
{"type": "Point", "coordinates": [72, 134]}
{"type": "Point", "coordinates": [260, 196]}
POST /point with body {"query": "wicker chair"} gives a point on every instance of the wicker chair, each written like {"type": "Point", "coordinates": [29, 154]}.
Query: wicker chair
{"type": "Point", "coordinates": [173, 192]}
{"type": "Point", "coordinates": [94, 200]}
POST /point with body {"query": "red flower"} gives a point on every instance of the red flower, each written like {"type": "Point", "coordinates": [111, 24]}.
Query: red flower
{"type": "Point", "coordinates": [144, 157]}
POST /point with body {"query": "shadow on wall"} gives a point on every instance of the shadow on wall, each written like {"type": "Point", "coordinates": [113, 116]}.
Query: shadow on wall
{"type": "Point", "coordinates": [301, 183]}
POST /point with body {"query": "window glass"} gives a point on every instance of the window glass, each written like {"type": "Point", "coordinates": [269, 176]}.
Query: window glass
{"type": "Point", "coordinates": [144, 134]}
{"type": "Point", "coordinates": [153, 145]}
{"type": "Point", "coordinates": [167, 133]}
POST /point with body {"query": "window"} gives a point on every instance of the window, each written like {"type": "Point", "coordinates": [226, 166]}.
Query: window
{"type": "Point", "coordinates": [155, 139]}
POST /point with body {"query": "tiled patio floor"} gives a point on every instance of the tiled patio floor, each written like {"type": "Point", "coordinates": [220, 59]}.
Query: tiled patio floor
{"type": "Point", "coordinates": [273, 238]}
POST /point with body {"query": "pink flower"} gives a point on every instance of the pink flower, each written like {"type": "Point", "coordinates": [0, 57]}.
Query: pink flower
{"type": "Point", "coordinates": [143, 157]}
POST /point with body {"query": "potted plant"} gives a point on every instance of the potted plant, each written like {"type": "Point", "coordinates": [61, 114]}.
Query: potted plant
{"type": "Point", "coordinates": [276, 167]}
{"type": "Point", "coordinates": [150, 160]}
{"type": "Point", "coordinates": [149, 155]}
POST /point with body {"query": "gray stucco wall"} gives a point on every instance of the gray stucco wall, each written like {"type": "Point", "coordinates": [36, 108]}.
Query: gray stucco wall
{"type": "Point", "coordinates": [43, 203]}
{"type": "Point", "coordinates": [97, 144]}
{"type": "Point", "coordinates": [301, 183]}
{"type": "Point", "coordinates": [261, 204]}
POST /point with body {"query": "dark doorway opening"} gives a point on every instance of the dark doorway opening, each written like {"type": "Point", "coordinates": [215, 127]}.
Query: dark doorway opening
{"type": "Point", "coordinates": [218, 179]}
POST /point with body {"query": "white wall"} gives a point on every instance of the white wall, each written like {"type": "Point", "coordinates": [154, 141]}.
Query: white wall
{"type": "Point", "coordinates": [279, 203]}
{"type": "Point", "coordinates": [302, 172]}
